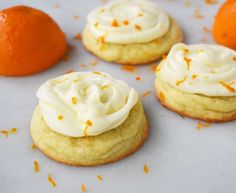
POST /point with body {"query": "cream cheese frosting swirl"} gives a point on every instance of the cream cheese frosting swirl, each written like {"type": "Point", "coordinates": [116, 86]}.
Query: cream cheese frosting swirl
{"type": "Point", "coordinates": [85, 103]}
{"type": "Point", "coordinates": [128, 21]}
{"type": "Point", "coordinates": [201, 69]}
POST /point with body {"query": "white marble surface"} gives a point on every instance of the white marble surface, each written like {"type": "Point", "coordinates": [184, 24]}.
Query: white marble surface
{"type": "Point", "coordinates": [181, 158]}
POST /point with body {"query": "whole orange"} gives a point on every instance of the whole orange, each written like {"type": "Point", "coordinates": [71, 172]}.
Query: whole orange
{"type": "Point", "coordinates": [30, 41]}
{"type": "Point", "coordinates": [224, 29]}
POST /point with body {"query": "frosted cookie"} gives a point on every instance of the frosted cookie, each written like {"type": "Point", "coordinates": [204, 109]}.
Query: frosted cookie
{"type": "Point", "coordinates": [199, 81]}
{"type": "Point", "coordinates": [130, 32]}
{"type": "Point", "coordinates": [88, 119]}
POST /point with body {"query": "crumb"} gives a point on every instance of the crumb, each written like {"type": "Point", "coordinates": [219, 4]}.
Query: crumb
{"type": "Point", "coordinates": [197, 14]}
{"type": "Point", "coordinates": [138, 78]}
{"type": "Point", "coordinates": [13, 130]}
{"type": "Point", "coordinates": [145, 169]}
{"type": "Point", "coordinates": [56, 5]}
{"type": "Point", "coordinates": [203, 40]}
{"type": "Point", "coordinates": [94, 62]}
{"type": "Point", "coordinates": [83, 66]}
{"type": "Point", "coordinates": [51, 181]}
{"type": "Point", "coordinates": [187, 3]}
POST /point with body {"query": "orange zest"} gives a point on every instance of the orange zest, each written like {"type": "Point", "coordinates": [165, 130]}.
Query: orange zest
{"type": "Point", "coordinates": [178, 82]}
{"type": "Point", "coordinates": [147, 93]}
{"type": "Point", "coordinates": [126, 22]}
{"type": "Point", "coordinates": [99, 177]}
{"type": "Point", "coordinates": [36, 166]}
{"type": "Point", "coordinates": [211, 2]}
{"type": "Point", "coordinates": [83, 188]}
{"type": "Point", "coordinates": [115, 23]}
{"type": "Point", "coordinates": [4, 132]}
{"type": "Point", "coordinates": [78, 36]}
{"type": "Point", "coordinates": [138, 27]}
{"type": "Point", "coordinates": [128, 68]}
{"type": "Point", "coordinates": [145, 169]}
{"type": "Point", "coordinates": [52, 181]}
{"type": "Point", "coordinates": [33, 146]}
{"type": "Point", "coordinates": [13, 130]}
{"type": "Point", "coordinates": [200, 125]}
{"type": "Point", "coordinates": [228, 87]}
{"type": "Point", "coordinates": [162, 96]}
{"type": "Point", "coordinates": [138, 78]}
{"type": "Point", "coordinates": [101, 39]}
{"type": "Point", "coordinates": [187, 60]}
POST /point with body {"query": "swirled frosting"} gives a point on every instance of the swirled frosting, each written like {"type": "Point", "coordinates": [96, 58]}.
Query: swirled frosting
{"type": "Point", "coordinates": [128, 21]}
{"type": "Point", "coordinates": [85, 103]}
{"type": "Point", "coordinates": [201, 69]}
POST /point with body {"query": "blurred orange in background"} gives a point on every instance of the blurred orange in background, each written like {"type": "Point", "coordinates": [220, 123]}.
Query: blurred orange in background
{"type": "Point", "coordinates": [30, 41]}
{"type": "Point", "coordinates": [224, 29]}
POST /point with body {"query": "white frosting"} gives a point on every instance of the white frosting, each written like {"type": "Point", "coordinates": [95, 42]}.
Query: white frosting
{"type": "Point", "coordinates": [128, 21]}
{"type": "Point", "coordinates": [85, 103]}
{"type": "Point", "coordinates": [202, 69]}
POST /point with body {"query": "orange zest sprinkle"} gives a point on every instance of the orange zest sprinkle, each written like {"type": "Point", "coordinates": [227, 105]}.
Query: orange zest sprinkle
{"type": "Point", "coordinates": [69, 71]}
{"type": "Point", "coordinates": [187, 60]}
{"type": "Point", "coordinates": [162, 96]}
{"type": "Point", "coordinates": [194, 76]}
{"type": "Point", "coordinates": [211, 2]}
{"type": "Point", "coordinates": [99, 177]}
{"type": "Point", "coordinates": [76, 17]}
{"type": "Point", "coordinates": [4, 132]}
{"type": "Point", "coordinates": [89, 123]}
{"type": "Point", "coordinates": [51, 181]}
{"type": "Point", "coordinates": [13, 130]}
{"type": "Point", "coordinates": [78, 36]}
{"type": "Point", "coordinates": [138, 78]}
{"type": "Point", "coordinates": [178, 82]}
{"type": "Point", "coordinates": [36, 166]}
{"type": "Point", "coordinates": [186, 51]}
{"type": "Point", "coordinates": [126, 22]}
{"type": "Point", "coordinates": [74, 100]}
{"type": "Point", "coordinates": [228, 87]}
{"type": "Point", "coordinates": [138, 27]}
{"type": "Point", "coordinates": [128, 68]}
{"type": "Point", "coordinates": [153, 67]}
{"type": "Point", "coordinates": [200, 125]}
{"type": "Point", "coordinates": [83, 188]}
{"type": "Point", "coordinates": [33, 146]}
{"type": "Point", "coordinates": [145, 169]}
{"type": "Point", "coordinates": [115, 23]}
{"type": "Point", "coordinates": [60, 117]}
{"type": "Point", "coordinates": [101, 39]}
{"type": "Point", "coordinates": [206, 29]}
{"type": "Point", "coordinates": [147, 93]}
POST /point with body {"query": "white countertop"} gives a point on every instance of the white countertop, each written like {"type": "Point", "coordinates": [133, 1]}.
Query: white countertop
{"type": "Point", "coordinates": [181, 158]}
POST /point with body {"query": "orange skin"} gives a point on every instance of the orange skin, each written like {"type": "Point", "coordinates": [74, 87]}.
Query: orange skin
{"type": "Point", "coordinates": [30, 41]}
{"type": "Point", "coordinates": [224, 29]}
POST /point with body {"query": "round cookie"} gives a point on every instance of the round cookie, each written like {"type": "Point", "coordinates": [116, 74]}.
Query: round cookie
{"type": "Point", "coordinates": [198, 81]}
{"type": "Point", "coordinates": [210, 109]}
{"type": "Point", "coordinates": [136, 53]}
{"type": "Point", "coordinates": [130, 32]}
{"type": "Point", "coordinates": [108, 147]}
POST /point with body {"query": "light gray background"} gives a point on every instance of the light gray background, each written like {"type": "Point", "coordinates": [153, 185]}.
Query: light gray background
{"type": "Point", "coordinates": [181, 158]}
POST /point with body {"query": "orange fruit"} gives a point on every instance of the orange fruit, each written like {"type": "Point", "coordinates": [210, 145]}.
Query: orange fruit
{"type": "Point", "coordinates": [30, 41]}
{"type": "Point", "coordinates": [224, 29]}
